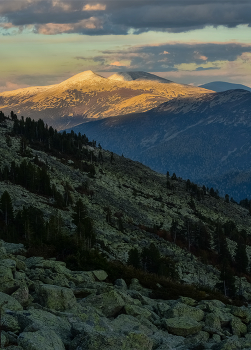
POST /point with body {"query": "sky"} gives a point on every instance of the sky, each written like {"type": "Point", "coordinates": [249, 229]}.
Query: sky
{"type": "Point", "coordinates": [44, 42]}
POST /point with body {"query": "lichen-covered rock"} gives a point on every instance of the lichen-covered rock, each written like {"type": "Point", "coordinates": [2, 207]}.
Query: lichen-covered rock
{"type": "Point", "coordinates": [22, 294]}
{"type": "Point", "coordinates": [93, 321]}
{"type": "Point", "coordinates": [162, 309]}
{"type": "Point", "coordinates": [137, 311]}
{"type": "Point", "coordinates": [79, 277]}
{"type": "Point", "coordinates": [183, 326]}
{"type": "Point", "coordinates": [8, 263]}
{"type": "Point", "coordinates": [100, 275]}
{"type": "Point", "coordinates": [229, 344]}
{"type": "Point", "coordinates": [14, 248]}
{"type": "Point", "coordinates": [197, 339]}
{"type": "Point", "coordinates": [7, 281]}
{"type": "Point", "coordinates": [34, 261]}
{"type": "Point", "coordinates": [135, 285]}
{"type": "Point", "coordinates": [120, 284]}
{"type": "Point", "coordinates": [3, 253]}
{"type": "Point", "coordinates": [242, 312]}
{"type": "Point", "coordinates": [10, 302]}
{"type": "Point", "coordinates": [238, 328]}
{"type": "Point", "coordinates": [131, 297]}
{"type": "Point", "coordinates": [10, 323]}
{"type": "Point", "coordinates": [56, 279]}
{"type": "Point", "coordinates": [212, 305]}
{"type": "Point", "coordinates": [126, 323]}
{"type": "Point", "coordinates": [165, 341]}
{"type": "Point", "coordinates": [111, 341]}
{"type": "Point", "coordinates": [187, 301]}
{"type": "Point", "coordinates": [39, 319]}
{"type": "Point", "coordinates": [109, 303]}
{"type": "Point", "coordinates": [20, 264]}
{"type": "Point", "coordinates": [41, 339]}
{"type": "Point", "coordinates": [56, 298]}
{"type": "Point", "coordinates": [182, 310]}
{"type": "Point", "coordinates": [245, 342]}
{"type": "Point", "coordinates": [213, 321]}
{"type": "Point", "coordinates": [218, 309]}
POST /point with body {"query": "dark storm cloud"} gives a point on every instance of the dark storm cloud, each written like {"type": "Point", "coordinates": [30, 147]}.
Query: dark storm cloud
{"type": "Point", "coordinates": [166, 57]}
{"type": "Point", "coordinates": [122, 16]}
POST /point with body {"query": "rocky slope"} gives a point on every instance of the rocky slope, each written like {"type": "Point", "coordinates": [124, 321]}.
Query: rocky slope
{"type": "Point", "coordinates": [201, 138]}
{"type": "Point", "coordinates": [62, 309]}
{"type": "Point", "coordinates": [90, 96]}
{"type": "Point", "coordinates": [42, 306]}
{"type": "Point", "coordinates": [134, 190]}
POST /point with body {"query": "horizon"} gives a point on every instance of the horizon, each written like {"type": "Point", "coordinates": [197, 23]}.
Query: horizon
{"type": "Point", "coordinates": [108, 74]}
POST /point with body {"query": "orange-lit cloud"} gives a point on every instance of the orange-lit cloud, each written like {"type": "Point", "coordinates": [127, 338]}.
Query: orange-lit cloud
{"type": "Point", "coordinates": [201, 57]}
{"type": "Point", "coordinates": [56, 28]}
{"type": "Point", "coordinates": [118, 64]}
{"type": "Point", "coordinates": [61, 5]}
{"type": "Point", "coordinates": [97, 7]}
{"type": "Point", "coordinates": [9, 86]}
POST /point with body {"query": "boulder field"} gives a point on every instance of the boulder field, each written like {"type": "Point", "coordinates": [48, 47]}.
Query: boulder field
{"type": "Point", "coordinates": [44, 305]}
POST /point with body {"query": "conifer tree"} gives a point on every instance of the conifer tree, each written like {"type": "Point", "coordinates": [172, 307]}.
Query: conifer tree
{"type": "Point", "coordinates": [134, 258]}
{"type": "Point", "coordinates": [174, 230]}
{"type": "Point", "coordinates": [54, 227]}
{"type": "Point", "coordinates": [241, 258]}
{"type": "Point", "coordinates": [67, 195]}
{"type": "Point", "coordinates": [80, 212]}
{"type": "Point", "coordinates": [84, 231]}
{"type": "Point", "coordinates": [108, 215]}
{"type": "Point", "coordinates": [227, 278]}
{"type": "Point", "coordinates": [7, 208]}
{"type": "Point", "coordinates": [120, 224]}
{"type": "Point", "coordinates": [150, 258]}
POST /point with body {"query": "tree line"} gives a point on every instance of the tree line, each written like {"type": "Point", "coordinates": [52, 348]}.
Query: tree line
{"type": "Point", "coordinates": [29, 226]}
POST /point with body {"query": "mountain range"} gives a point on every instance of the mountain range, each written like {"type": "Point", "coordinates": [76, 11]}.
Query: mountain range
{"type": "Point", "coordinates": [196, 133]}
{"type": "Point", "coordinates": [203, 138]}
{"type": "Point", "coordinates": [87, 96]}
{"type": "Point", "coordinates": [220, 86]}
{"type": "Point", "coordinates": [99, 251]}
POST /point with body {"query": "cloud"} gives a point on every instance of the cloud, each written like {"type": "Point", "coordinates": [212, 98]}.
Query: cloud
{"type": "Point", "coordinates": [209, 68]}
{"type": "Point", "coordinates": [97, 7]}
{"type": "Point", "coordinates": [200, 57]}
{"type": "Point", "coordinates": [181, 56]}
{"type": "Point", "coordinates": [124, 16]}
{"type": "Point", "coordinates": [117, 64]}
{"type": "Point", "coordinates": [9, 86]}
